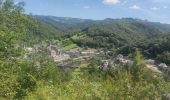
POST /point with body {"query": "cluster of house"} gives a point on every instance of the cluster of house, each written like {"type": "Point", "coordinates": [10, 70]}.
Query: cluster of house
{"type": "Point", "coordinates": [156, 63]}
{"type": "Point", "coordinates": [57, 54]}
{"type": "Point", "coordinates": [86, 54]}
{"type": "Point", "coordinates": [120, 59]}
{"type": "Point", "coordinates": [124, 61]}
{"type": "Point", "coordinates": [83, 53]}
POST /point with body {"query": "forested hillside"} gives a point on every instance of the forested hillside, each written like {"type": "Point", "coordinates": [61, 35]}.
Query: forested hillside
{"type": "Point", "coordinates": [30, 51]}
{"type": "Point", "coordinates": [124, 35]}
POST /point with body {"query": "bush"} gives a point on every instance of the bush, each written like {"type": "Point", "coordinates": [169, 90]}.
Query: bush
{"type": "Point", "coordinates": [164, 57]}
{"type": "Point", "coordinates": [26, 84]}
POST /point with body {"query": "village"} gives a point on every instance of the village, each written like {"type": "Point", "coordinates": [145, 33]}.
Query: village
{"type": "Point", "coordinates": [73, 58]}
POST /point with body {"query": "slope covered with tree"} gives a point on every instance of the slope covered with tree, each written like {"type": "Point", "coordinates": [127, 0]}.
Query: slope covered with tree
{"type": "Point", "coordinates": [125, 34]}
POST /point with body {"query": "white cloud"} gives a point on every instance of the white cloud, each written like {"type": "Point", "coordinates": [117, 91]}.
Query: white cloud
{"type": "Point", "coordinates": [135, 7]}
{"type": "Point", "coordinates": [155, 8]}
{"type": "Point", "coordinates": [86, 7]}
{"type": "Point", "coordinates": [111, 2]}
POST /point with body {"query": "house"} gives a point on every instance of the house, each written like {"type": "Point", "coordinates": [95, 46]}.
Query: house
{"type": "Point", "coordinates": [150, 61]}
{"type": "Point", "coordinates": [104, 64]}
{"type": "Point", "coordinates": [119, 58]}
{"type": "Point", "coordinates": [55, 49]}
{"type": "Point", "coordinates": [123, 60]}
{"type": "Point", "coordinates": [87, 52]}
{"type": "Point", "coordinates": [57, 54]}
{"type": "Point", "coordinates": [162, 65]}
{"type": "Point", "coordinates": [73, 54]}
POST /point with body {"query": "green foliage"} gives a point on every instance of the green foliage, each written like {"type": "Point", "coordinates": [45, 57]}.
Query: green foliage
{"type": "Point", "coordinates": [138, 66]}
{"type": "Point", "coordinates": [26, 84]}
{"type": "Point", "coordinates": [164, 57]}
{"type": "Point", "coordinates": [8, 6]}
{"type": "Point", "coordinates": [68, 44]}
{"type": "Point", "coordinates": [13, 28]}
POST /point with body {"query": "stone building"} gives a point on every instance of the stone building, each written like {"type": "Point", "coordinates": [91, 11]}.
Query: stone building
{"type": "Point", "coordinates": [104, 65]}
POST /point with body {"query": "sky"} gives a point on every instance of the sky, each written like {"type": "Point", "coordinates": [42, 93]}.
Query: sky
{"type": "Point", "coordinates": [152, 10]}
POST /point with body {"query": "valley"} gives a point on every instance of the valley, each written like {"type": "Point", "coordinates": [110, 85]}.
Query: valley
{"type": "Point", "coordinates": [44, 57]}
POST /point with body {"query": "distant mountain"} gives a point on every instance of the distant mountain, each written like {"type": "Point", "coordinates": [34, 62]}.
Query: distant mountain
{"type": "Point", "coordinates": [125, 30]}
{"type": "Point", "coordinates": [61, 22]}
{"type": "Point", "coordinates": [65, 23]}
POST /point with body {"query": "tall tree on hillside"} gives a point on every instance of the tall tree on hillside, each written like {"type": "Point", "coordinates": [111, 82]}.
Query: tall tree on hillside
{"type": "Point", "coordinates": [11, 6]}
{"type": "Point", "coordinates": [138, 66]}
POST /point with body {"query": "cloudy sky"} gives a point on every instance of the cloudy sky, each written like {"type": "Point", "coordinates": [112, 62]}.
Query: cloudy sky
{"type": "Point", "coordinates": [153, 10]}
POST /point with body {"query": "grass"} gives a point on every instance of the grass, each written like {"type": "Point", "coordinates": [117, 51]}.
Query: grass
{"type": "Point", "coordinates": [71, 46]}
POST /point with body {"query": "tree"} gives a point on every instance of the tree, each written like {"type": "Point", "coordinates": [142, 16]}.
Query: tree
{"type": "Point", "coordinates": [137, 68]}
{"type": "Point", "coordinates": [7, 6]}
{"type": "Point", "coordinates": [164, 57]}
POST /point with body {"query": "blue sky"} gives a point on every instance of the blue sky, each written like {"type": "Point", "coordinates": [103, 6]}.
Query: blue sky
{"type": "Point", "coordinates": [153, 10]}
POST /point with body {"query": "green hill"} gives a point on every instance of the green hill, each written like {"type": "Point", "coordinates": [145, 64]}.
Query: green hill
{"type": "Point", "coordinates": [124, 34]}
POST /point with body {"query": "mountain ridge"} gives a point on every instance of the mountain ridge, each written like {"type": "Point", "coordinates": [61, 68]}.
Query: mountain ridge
{"type": "Point", "coordinates": [67, 22]}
